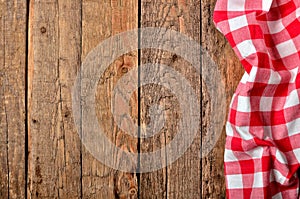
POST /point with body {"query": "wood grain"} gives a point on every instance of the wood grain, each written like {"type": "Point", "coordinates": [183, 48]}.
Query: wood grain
{"type": "Point", "coordinates": [54, 59]}
{"type": "Point", "coordinates": [101, 20]}
{"type": "Point", "coordinates": [230, 70]}
{"type": "Point", "coordinates": [61, 34]}
{"type": "Point", "coordinates": [12, 98]}
{"type": "Point", "coordinates": [181, 179]}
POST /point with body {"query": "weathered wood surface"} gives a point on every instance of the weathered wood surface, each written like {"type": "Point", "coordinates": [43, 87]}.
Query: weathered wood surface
{"type": "Point", "coordinates": [37, 74]}
{"type": "Point", "coordinates": [54, 145]}
{"type": "Point", "coordinates": [184, 17]}
{"type": "Point", "coordinates": [12, 98]}
{"type": "Point", "coordinates": [230, 70]}
{"type": "Point", "coordinates": [101, 20]}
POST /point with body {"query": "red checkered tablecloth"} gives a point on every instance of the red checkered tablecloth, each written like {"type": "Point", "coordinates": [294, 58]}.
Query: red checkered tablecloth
{"type": "Point", "coordinates": [262, 152]}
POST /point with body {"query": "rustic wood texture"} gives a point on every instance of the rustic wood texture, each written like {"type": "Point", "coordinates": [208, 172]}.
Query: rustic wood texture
{"type": "Point", "coordinates": [61, 34]}
{"type": "Point", "coordinates": [184, 17]}
{"type": "Point", "coordinates": [101, 20]}
{"type": "Point", "coordinates": [54, 145]}
{"type": "Point", "coordinates": [230, 69]}
{"type": "Point", "coordinates": [12, 98]}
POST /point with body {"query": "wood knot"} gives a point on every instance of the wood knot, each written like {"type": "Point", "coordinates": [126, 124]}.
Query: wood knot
{"type": "Point", "coordinates": [132, 191]}
{"type": "Point", "coordinates": [43, 30]}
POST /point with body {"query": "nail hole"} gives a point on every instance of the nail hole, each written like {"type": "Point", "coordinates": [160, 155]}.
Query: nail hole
{"type": "Point", "coordinates": [124, 70]}
{"type": "Point", "coordinates": [174, 58]}
{"type": "Point", "coordinates": [66, 115]}
{"type": "Point", "coordinates": [43, 30]}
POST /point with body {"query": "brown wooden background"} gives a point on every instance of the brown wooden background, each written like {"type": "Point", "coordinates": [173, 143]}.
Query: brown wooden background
{"type": "Point", "coordinates": [42, 45]}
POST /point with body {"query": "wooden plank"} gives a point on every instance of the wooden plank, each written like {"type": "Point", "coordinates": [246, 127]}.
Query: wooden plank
{"type": "Point", "coordinates": [101, 20]}
{"type": "Point", "coordinates": [181, 179]}
{"type": "Point", "coordinates": [54, 61]}
{"type": "Point", "coordinates": [3, 129]}
{"type": "Point", "coordinates": [230, 72]}
{"type": "Point", "coordinates": [12, 98]}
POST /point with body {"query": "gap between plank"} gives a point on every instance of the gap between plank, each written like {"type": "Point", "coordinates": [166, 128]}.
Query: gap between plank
{"type": "Point", "coordinates": [201, 101]}
{"type": "Point", "coordinates": [138, 175]}
{"type": "Point", "coordinates": [80, 60]}
{"type": "Point", "coordinates": [26, 94]}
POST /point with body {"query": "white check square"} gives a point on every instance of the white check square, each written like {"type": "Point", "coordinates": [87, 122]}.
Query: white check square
{"type": "Point", "coordinates": [235, 181]}
{"type": "Point", "coordinates": [275, 26]}
{"type": "Point", "coordinates": [243, 104]}
{"type": "Point", "coordinates": [246, 48]}
{"type": "Point", "coordinates": [292, 99]}
{"type": "Point", "coordinates": [293, 127]}
{"type": "Point", "coordinates": [266, 4]}
{"type": "Point", "coordinates": [265, 103]}
{"type": "Point", "coordinates": [275, 77]}
{"type": "Point", "coordinates": [286, 48]}
{"type": "Point", "coordinates": [237, 22]}
{"type": "Point", "coordinates": [258, 180]}
{"type": "Point", "coordinates": [236, 5]}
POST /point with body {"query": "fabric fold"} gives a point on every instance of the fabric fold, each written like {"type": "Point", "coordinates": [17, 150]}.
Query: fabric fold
{"type": "Point", "coordinates": [262, 152]}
